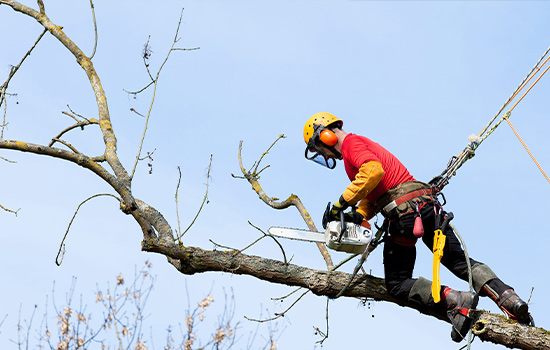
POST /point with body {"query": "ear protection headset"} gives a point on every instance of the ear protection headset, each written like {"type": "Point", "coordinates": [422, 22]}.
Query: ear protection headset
{"type": "Point", "coordinates": [328, 137]}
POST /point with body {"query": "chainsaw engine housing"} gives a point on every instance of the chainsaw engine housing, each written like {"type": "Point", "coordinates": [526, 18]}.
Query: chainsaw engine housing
{"type": "Point", "coordinates": [355, 239]}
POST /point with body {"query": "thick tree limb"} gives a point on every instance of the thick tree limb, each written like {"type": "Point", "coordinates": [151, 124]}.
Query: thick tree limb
{"type": "Point", "coordinates": [191, 260]}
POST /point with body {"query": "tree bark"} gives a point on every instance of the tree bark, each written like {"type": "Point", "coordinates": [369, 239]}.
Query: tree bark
{"type": "Point", "coordinates": [191, 260]}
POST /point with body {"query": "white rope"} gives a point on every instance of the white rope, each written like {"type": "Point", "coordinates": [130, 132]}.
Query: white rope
{"type": "Point", "coordinates": [470, 281]}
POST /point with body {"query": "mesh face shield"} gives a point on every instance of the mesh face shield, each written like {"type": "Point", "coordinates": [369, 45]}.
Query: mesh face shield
{"type": "Point", "coordinates": [316, 155]}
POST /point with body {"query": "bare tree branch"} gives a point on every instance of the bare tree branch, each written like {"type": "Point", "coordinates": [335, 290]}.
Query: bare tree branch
{"type": "Point", "coordinates": [41, 6]}
{"type": "Point", "coordinates": [9, 210]}
{"type": "Point", "coordinates": [204, 200]}
{"type": "Point", "coordinates": [252, 177]}
{"type": "Point", "coordinates": [14, 69]}
{"type": "Point", "coordinates": [129, 204]}
{"type": "Point", "coordinates": [61, 251]}
{"type": "Point", "coordinates": [80, 124]}
{"type": "Point", "coordinates": [487, 326]}
{"type": "Point", "coordinates": [101, 99]}
{"type": "Point", "coordinates": [281, 314]}
{"type": "Point", "coordinates": [95, 29]}
{"type": "Point", "coordinates": [155, 82]}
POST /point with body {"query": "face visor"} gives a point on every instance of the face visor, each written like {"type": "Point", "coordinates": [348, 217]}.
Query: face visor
{"type": "Point", "coordinates": [316, 155]}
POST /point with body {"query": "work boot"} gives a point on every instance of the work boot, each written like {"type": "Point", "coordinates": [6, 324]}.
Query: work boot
{"type": "Point", "coordinates": [458, 306]}
{"type": "Point", "coordinates": [510, 303]}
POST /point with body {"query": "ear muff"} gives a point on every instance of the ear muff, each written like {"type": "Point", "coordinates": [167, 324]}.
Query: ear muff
{"type": "Point", "coordinates": [328, 137]}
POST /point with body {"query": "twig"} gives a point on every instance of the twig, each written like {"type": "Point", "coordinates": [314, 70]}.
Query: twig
{"type": "Point", "coordinates": [251, 244]}
{"type": "Point", "coordinates": [9, 210]}
{"type": "Point", "coordinates": [154, 82]}
{"type": "Point", "coordinates": [278, 315]}
{"type": "Point", "coordinates": [7, 160]}
{"type": "Point", "coordinates": [147, 52]}
{"type": "Point", "coordinates": [204, 200]}
{"type": "Point", "coordinates": [13, 70]}
{"type": "Point", "coordinates": [335, 267]}
{"type": "Point", "coordinates": [323, 334]}
{"type": "Point", "coordinates": [177, 211]}
{"type": "Point", "coordinates": [41, 7]}
{"type": "Point", "coordinates": [78, 115]}
{"type": "Point", "coordinates": [138, 91]}
{"type": "Point", "coordinates": [55, 139]}
{"type": "Point", "coordinates": [61, 251]}
{"type": "Point", "coordinates": [136, 112]}
{"type": "Point", "coordinates": [183, 49]}
{"type": "Point", "coordinates": [256, 173]}
{"type": "Point", "coordinates": [267, 235]}
{"type": "Point", "coordinates": [95, 29]}
{"type": "Point", "coordinates": [4, 124]}
{"type": "Point", "coordinates": [530, 295]}
{"type": "Point", "coordinates": [80, 124]}
{"type": "Point", "coordinates": [149, 154]}
{"type": "Point", "coordinates": [71, 115]}
{"type": "Point", "coordinates": [286, 296]}
{"type": "Point", "coordinates": [222, 246]}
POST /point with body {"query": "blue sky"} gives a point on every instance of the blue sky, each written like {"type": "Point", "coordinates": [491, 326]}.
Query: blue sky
{"type": "Point", "coordinates": [417, 77]}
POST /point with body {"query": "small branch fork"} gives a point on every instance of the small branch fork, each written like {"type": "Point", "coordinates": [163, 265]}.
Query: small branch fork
{"type": "Point", "coordinates": [282, 314]}
{"type": "Point", "coordinates": [256, 241]}
{"type": "Point", "coordinates": [154, 81]}
{"type": "Point", "coordinates": [204, 200]}
{"type": "Point", "coordinates": [253, 176]}
{"type": "Point", "coordinates": [9, 210]}
{"type": "Point", "coordinates": [4, 86]}
{"type": "Point", "coordinates": [80, 124]}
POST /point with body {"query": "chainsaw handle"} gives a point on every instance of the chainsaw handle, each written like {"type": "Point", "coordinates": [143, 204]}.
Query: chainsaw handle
{"type": "Point", "coordinates": [343, 226]}
{"type": "Point", "coordinates": [326, 215]}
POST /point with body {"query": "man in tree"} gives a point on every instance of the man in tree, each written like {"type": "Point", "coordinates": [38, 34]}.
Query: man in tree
{"type": "Point", "coordinates": [380, 183]}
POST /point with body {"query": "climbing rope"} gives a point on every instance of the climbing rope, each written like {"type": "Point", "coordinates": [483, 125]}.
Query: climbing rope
{"type": "Point", "coordinates": [475, 140]}
{"type": "Point", "coordinates": [527, 149]}
{"type": "Point", "coordinates": [470, 279]}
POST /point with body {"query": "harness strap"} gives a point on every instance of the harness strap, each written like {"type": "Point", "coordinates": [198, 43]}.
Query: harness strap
{"type": "Point", "coordinates": [411, 195]}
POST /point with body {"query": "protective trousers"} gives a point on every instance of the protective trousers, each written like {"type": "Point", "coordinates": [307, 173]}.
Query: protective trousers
{"type": "Point", "coordinates": [399, 260]}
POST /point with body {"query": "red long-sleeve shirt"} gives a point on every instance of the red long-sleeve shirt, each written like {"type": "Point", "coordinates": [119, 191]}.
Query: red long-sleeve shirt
{"type": "Point", "coordinates": [357, 150]}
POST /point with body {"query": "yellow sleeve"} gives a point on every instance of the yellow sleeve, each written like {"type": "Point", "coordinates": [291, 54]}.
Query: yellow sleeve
{"type": "Point", "coordinates": [366, 209]}
{"type": "Point", "coordinates": [368, 177]}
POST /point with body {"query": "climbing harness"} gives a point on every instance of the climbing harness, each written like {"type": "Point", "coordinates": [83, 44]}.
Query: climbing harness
{"type": "Point", "coordinates": [456, 162]}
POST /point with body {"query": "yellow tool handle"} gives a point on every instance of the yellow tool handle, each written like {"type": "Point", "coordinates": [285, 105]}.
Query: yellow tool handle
{"type": "Point", "coordinates": [439, 243]}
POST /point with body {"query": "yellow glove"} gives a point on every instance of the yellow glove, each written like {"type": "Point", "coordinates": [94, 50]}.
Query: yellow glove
{"type": "Point", "coordinates": [337, 207]}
